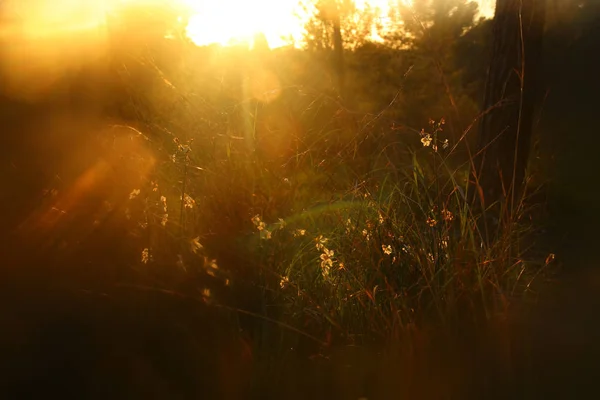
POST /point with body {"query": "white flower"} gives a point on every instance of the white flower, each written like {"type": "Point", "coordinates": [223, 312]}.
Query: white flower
{"type": "Point", "coordinates": [145, 255]}
{"type": "Point", "coordinates": [320, 245]}
{"type": "Point", "coordinates": [188, 201]}
{"type": "Point", "coordinates": [196, 245]}
{"type": "Point", "coordinates": [134, 193]}
{"type": "Point", "coordinates": [426, 139]}
{"type": "Point", "coordinates": [284, 282]}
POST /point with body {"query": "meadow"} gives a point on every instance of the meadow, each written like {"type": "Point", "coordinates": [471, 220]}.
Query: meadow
{"type": "Point", "coordinates": [232, 222]}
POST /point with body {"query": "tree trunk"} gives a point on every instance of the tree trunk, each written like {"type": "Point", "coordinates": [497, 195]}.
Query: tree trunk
{"type": "Point", "coordinates": [330, 12]}
{"type": "Point", "coordinates": [338, 55]}
{"type": "Point", "coordinates": [510, 99]}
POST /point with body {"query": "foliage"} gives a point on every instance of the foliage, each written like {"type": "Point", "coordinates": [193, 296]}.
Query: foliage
{"type": "Point", "coordinates": [357, 24]}
{"type": "Point", "coordinates": [420, 69]}
{"type": "Point", "coordinates": [361, 225]}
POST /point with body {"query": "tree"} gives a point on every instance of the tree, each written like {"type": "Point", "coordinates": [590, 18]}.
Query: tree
{"type": "Point", "coordinates": [439, 40]}
{"type": "Point", "coordinates": [510, 99]}
{"type": "Point", "coordinates": [337, 25]}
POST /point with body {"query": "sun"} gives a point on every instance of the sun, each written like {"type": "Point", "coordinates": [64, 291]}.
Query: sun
{"type": "Point", "coordinates": [237, 22]}
{"type": "Point", "coordinates": [230, 22]}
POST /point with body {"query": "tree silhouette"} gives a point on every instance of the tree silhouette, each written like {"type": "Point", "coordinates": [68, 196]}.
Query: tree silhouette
{"type": "Point", "coordinates": [510, 98]}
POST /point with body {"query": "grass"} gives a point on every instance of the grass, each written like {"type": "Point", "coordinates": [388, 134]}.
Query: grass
{"type": "Point", "coordinates": [338, 249]}
{"type": "Point", "coordinates": [354, 238]}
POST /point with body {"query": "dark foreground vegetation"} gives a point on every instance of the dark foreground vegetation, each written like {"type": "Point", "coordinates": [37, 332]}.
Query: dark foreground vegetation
{"type": "Point", "coordinates": [382, 219]}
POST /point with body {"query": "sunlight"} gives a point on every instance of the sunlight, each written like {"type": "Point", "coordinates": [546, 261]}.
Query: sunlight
{"type": "Point", "coordinates": [42, 18]}
{"type": "Point", "coordinates": [42, 40]}
{"type": "Point", "coordinates": [237, 22]}
{"type": "Point", "coordinates": [280, 21]}
{"type": "Point", "coordinates": [230, 22]}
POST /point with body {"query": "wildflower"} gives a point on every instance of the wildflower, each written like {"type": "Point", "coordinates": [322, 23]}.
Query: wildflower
{"type": "Point", "coordinates": [381, 219]}
{"type": "Point", "coordinates": [210, 263]}
{"type": "Point", "coordinates": [425, 139]}
{"type": "Point", "coordinates": [325, 271]}
{"type": "Point", "coordinates": [188, 201]}
{"type": "Point", "coordinates": [447, 215]}
{"type": "Point", "coordinates": [206, 293]}
{"type": "Point", "coordinates": [386, 249]}
{"type": "Point", "coordinates": [299, 232]}
{"type": "Point", "coordinates": [431, 222]}
{"type": "Point", "coordinates": [349, 225]}
{"type": "Point", "coordinates": [366, 234]}
{"type": "Point", "coordinates": [211, 267]}
{"type": "Point", "coordinates": [321, 242]}
{"type": "Point", "coordinates": [284, 282]}
{"type": "Point", "coordinates": [260, 225]}
{"type": "Point", "coordinates": [327, 258]}
{"type": "Point", "coordinates": [430, 257]}
{"type": "Point", "coordinates": [145, 255]}
{"type": "Point", "coordinates": [196, 245]}
{"type": "Point", "coordinates": [341, 266]}
{"type": "Point", "coordinates": [165, 219]}
{"type": "Point", "coordinates": [434, 147]}
{"type": "Point", "coordinates": [134, 193]}
{"type": "Point", "coordinates": [445, 241]}
{"type": "Point", "coordinates": [445, 144]}
{"type": "Point", "coordinates": [264, 233]}
{"type": "Point", "coordinates": [163, 199]}
{"type": "Point", "coordinates": [154, 186]}
{"type": "Point", "coordinates": [326, 262]}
